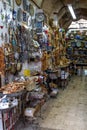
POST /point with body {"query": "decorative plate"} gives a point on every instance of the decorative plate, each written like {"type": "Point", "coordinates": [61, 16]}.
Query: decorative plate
{"type": "Point", "coordinates": [77, 37]}
{"type": "Point", "coordinates": [31, 10]}
{"type": "Point", "coordinates": [18, 2]}
{"type": "Point", "coordinates": [78, 44]}
{"type": "Point", "coordinates": [40, 17]}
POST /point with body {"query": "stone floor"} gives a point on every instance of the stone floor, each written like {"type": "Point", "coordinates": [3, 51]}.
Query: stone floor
{"type": "Point", "coordinates": [68, 111]}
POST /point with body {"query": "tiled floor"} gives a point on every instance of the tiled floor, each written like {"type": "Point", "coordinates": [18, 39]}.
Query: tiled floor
{"type": "Point", "coordinates": [68, 111]}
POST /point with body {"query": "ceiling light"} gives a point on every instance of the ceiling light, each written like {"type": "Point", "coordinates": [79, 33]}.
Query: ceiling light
{"type": "Point", "coordinates": [71, 11]}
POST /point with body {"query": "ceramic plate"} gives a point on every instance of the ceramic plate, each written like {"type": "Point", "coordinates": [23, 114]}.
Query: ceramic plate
{"type": "Point", "coordinates": [78, 44]}
{"type": "Point", "coordinates": [40, 17]}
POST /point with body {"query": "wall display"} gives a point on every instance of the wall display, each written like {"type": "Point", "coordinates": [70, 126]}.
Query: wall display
{"type": "Point", "coordinates": [14, 34]}
{"type": "Point", "coordinates": [18, 2]}
{"type": "Point", "coordinates": [79, 48]}
{"type": "Point", "coordinates": [31, 10]}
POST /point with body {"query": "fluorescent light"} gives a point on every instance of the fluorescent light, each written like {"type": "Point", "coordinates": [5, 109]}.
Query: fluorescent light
{"type": "Point", "coordinates": [71, 11]}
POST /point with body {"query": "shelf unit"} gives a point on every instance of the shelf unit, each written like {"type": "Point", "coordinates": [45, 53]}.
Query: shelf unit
{"type": "Point", "coordinates": [9, 116]}
{"type": "Point", "coordinates": [77, 53]}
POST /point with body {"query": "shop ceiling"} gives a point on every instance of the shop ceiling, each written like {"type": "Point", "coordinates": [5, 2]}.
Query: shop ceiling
{"type": "Point", "coordinates": [59, 8]}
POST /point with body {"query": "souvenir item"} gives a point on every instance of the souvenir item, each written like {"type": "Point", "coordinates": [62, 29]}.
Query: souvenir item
{"type": "Point", "coordinates": [29, 21]}
{"type": "Point", "coordinates": [31, 10]}
{"type": "Point", "coordinates": [39, 26]}
{"type": "Point", "coordinates": [72, 36]}
{"type": "Point", "coordinates": [18, 2]}
{"type": "Point", "coordinates": [36, 44]}
{"type": "Point", "coordinates": [13, 42]}
{"type": "Point", "coordinates": [73, 44]}
{"type": "Point", "coordinates": [86, 44]}
{"type": "Point", "coordinates": [77, 37]}
{"type": "Point", "coordinates": [82, 44]}
{"type": "Point", "coordinates": [16, 55]}
{"type": "Point", "coordinates": [69, 50]}
{"type": "Point", "coordinates": [19, 66]}
{"type": "Point", "coordinates": [14, 14]}
{"type": "Point", "coordinates": [78, 44]}
{"type": "Point", "coordinates": [4, 5]}
{"type": "Point", "coordinates": [39, 17]}
{"type": "Point", "coordinates": [2, 37]}
{"type": "Point", "coordinates": [9, 1]}
{"type": "Point", "coordinates": [13, 68]}
{"type": "Point", "coordinates": [19, 15]}
{"type": "Point", "coordinates": [76, 52]}
{"type": "Point", "coordinates": [6, 37]}
{"type": "Point", "coordinates": [24, 17]}
{"type": "Point", "coordinates": [25, 5]}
